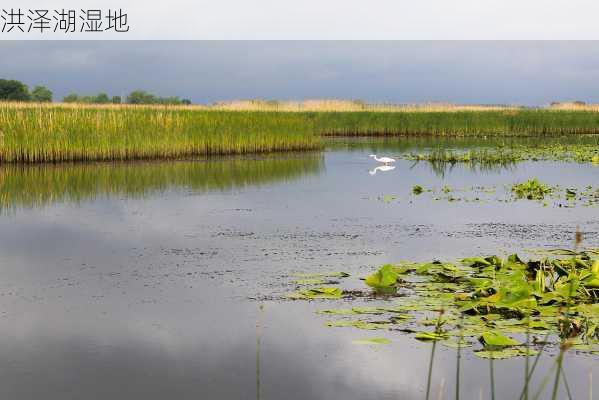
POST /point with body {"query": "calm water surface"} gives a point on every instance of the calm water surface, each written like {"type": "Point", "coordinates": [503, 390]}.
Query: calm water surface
{"type": "Point", "coordinates": [146, 280]}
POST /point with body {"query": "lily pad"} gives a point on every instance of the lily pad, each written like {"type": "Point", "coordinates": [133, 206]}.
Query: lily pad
{"type": "Point", "coordinates": [318, 293]}
{"type": "Point", "coordinates": [372, 341]}
{"type": "Point", "coordinates": [497, 339]}
{"type": "Point", "coordinates": [505, 353]}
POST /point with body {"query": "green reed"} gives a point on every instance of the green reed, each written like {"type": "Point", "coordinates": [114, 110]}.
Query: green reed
{"type": "Point", "coordinates": [39, 134]}
{"type": "Point", "coordinates": [525, 122]}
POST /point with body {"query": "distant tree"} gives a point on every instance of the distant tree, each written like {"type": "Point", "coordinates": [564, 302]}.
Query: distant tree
{"type": "Point", "coordinates": [187, 102]}
{"type": "Point", "coordinates": [116, 100]}
{"type": "Point", "coordinates": [141, 97]}
{"type": "Point", "coordinates": [13, 90]}
{"type": "Point", "coordinates": [101, 98]}
{"type": "Point", "coordinates": [173, 100]}
{"type": "Point", "coordinates": [41, 94]}
{"type": "Point", "coordinates": [71, 98]}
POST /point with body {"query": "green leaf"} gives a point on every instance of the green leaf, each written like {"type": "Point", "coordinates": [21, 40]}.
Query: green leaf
{"type": "Point", "coordinates": [383, 279]}
{"type": "Point", "coordinates": [318, 293]}
{"type": "Point", "coordinates": [492, 338]}
{"type": "Point", "coordinates": [428, 336]}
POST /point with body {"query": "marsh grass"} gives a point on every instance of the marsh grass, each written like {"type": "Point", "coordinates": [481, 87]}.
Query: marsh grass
{"type": "Point", "coordinates": [57, 132]}
{"type": "Point", "coordinates": [41, 133]}
{"type": "Point", "coordinates": [525, 122]}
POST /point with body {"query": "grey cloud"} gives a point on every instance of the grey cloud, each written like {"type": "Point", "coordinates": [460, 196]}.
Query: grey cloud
{"type": "Point", "coordinates": [391, 71]}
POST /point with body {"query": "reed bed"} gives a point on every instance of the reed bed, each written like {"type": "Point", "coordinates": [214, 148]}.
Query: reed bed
{"type": "Point", "coordinates": [42, 133]}
{"type": "Point", "coordinates": [541, 122]}
{"type": "Point", "coordinates": [52, 133]}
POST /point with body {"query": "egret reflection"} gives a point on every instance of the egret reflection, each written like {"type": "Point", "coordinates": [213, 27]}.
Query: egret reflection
{"type": "Point", "coordinates": [382, 168]}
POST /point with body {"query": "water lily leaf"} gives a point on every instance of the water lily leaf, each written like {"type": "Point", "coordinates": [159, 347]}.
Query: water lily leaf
{"type": "Point", "coordinates": [475, 262]}
{"type": "Point", "coordinates": [318, 293]}
{"type": "Point", "coordinates": [321, 275]}
{"type": "Point", "coordinates": [369, 325]}
{"type": "Point", "coordinates": [384, 279]}
{"type": "Point", "coordinates": [456, 344]}
{"type": "Point", "coordinates": [340, 311]}
{"type": "Point", "coordinates": [310, 281]}
{"type": "Point", "coordinates": [372, 341]}
{"type": "Point", "coordinates": [491, 338]}
{"type": "Point", "coordinates": [505, 353]}
{"type": "Point", "coordinates": [428, 336]}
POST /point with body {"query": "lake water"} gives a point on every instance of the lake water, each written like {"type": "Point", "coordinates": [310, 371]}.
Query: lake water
{"type": "Point", "coordinates": [156, 280]}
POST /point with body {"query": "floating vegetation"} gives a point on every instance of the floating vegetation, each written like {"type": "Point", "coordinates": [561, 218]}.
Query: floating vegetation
{"type": "Point", "coordinates": [387, 198]}
{"type": "Point", "coordinates": [417, 189]}
{"type": "Point", "coordinates": [384, 280]}
{"type": "Point", "coordinates": [324, 292]}
{"type": "Point", "coordinates": [532, 189]}
{"type": "Point", "coordinates": [315, 275]}
{"type": "Point", "coordinates": [497, 303]}
{"type": "Point", "coordinates": [486, 158]}
{"type": "Point", "coordinates": [372, 341]}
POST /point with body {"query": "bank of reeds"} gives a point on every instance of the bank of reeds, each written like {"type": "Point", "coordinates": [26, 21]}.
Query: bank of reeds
{"type": "Point", "coordinates": [534, 122]}
{"type": "Point", "coordinates": [42, 133]}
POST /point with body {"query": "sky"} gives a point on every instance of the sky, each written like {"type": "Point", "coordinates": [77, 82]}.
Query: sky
{"type": "Point", "coordinates": [465, 72]}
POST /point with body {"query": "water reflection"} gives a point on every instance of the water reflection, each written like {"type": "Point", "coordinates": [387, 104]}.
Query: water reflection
{"type": "Point", "coordinates": [38, 185]}
{"type": "Point", "coordinates": [382, 168]}
{"type": "Point", "coordinates": [443, 168]}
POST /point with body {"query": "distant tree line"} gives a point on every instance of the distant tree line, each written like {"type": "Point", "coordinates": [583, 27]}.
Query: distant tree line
{"type": "Point", "coordinates": [11, 90]}
{"type": "Point", "coordinates": [135, 97]}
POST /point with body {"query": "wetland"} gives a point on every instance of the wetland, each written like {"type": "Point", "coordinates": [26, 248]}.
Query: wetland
{"type": "Point", "coordinates": [306, 274]}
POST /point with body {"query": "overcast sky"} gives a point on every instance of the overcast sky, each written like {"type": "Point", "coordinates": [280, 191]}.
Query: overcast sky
{"type": "Point", "coordinates": [517, 72]}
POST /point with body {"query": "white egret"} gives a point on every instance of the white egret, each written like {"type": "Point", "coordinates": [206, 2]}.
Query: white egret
{"type": "Point", "coordinates": [382, 168]}
{"type": "Point", "coordinates": [385, 160]}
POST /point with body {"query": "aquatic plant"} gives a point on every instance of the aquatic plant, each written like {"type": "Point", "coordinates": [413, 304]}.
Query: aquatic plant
{"type": "Point", "coordinates": [41, 133]}
{"type": "Point", "coordinates": [488, 300]}
{"type": "Point", "coordinates": [417, 189]}
{"type": "Point", "coordinates": [532, 189]}
{"type": "Point", "coordinates": [384, 280]}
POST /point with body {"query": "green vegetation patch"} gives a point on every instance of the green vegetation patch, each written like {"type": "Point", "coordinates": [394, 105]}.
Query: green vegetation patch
{"type": "Point", "coordinates": [507, 306]}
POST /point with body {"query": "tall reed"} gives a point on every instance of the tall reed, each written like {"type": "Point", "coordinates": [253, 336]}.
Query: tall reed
{"type": "Point", "coordinates": [39, 134]}
{"type": "Point", "coordinates": [51, 133]}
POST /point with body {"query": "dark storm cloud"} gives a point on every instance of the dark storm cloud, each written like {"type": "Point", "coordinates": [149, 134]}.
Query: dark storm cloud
{"type": "Point", "coordinates": [413, 71]}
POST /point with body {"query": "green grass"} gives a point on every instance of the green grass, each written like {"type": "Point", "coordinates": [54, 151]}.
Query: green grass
{"type": "Point", "coordinates": [53, 133]}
